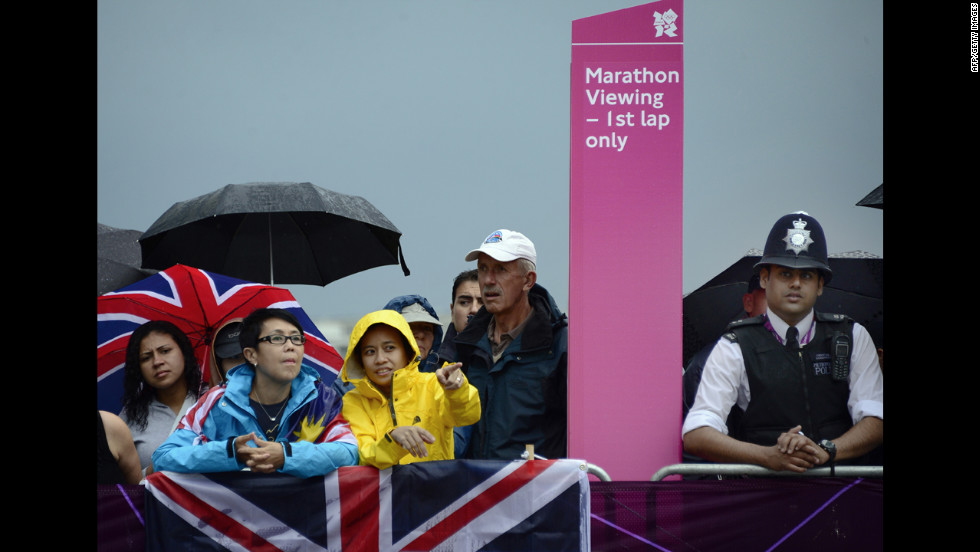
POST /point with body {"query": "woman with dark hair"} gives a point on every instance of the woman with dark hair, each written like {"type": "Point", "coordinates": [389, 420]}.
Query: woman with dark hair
{"type": "Point", "coordinates": [161, 382]}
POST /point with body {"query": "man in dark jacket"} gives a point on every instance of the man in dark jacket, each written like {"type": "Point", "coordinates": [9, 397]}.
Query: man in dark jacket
{"type": "Point", "coordinates": [515, 352]}
{"type": "Point", "coordinates": [465, 304]}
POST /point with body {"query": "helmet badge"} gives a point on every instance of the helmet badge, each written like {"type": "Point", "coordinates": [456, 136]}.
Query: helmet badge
{"type": "Point", "coordinates": [798, 238]}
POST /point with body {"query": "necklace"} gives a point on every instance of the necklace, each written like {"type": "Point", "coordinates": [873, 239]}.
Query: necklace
{"type": "Point", "coordinates": [272, 418]}
{"type": "Point", "coordinates": [271, 431]}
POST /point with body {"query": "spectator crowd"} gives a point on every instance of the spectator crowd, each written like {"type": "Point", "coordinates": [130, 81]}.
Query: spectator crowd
{"type": "Point", "coordinates": [784, 387]}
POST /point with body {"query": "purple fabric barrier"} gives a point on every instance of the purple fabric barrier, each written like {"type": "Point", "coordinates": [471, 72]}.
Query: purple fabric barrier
{"type": "Point", "coordinates": [791, 514]}
{"type": "Point", "coordinates": [120, 518]}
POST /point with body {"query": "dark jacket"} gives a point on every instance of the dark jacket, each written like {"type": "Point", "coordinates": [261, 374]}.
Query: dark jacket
{"type": "Point", "coordinates": [447, 351]}
{"type": "Point", "coordinates": [524, 394]}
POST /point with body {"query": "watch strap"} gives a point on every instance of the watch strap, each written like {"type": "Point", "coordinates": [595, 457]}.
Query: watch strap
{"type": "Point", "coordinates": [830, 447]}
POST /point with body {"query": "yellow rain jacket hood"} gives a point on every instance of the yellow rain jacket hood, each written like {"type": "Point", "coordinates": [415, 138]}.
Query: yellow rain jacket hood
{"type": "Point", "coordinates": [416, 398]}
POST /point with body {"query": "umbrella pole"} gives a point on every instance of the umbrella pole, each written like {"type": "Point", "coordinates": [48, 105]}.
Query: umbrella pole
{"type": "Point", "coordinates": [271, 281]}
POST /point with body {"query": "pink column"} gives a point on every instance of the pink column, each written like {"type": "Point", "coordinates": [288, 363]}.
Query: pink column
{"type": "Point", "coordinates": [625, 264]}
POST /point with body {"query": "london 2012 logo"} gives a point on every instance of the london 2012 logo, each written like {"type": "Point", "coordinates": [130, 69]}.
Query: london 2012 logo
{"type": "Point", "coordinates": [665, 23]}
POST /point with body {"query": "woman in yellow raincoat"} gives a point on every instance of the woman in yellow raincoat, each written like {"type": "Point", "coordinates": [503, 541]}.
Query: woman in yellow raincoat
{"type": "Point", "coordinates": [398, 414]}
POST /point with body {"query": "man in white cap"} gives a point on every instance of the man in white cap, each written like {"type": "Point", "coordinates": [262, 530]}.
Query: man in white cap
{"type": "Point", "coordinates": [515, 352]}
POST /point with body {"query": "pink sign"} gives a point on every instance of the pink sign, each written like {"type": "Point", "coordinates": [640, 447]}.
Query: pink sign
{"type": "Point", "coordinates": [625, 263]}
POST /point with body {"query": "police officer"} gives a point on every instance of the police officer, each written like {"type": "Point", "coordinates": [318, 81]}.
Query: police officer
{"type": "Point", "coordinates": [808, 383]}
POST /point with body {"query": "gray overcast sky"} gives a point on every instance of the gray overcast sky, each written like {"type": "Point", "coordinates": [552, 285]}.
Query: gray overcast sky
{"type": "Point", "coordinates": [452, 117]}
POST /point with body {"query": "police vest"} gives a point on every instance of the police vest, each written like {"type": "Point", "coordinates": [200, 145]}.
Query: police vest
{"type": "Point", "coordinates": [792, 388]}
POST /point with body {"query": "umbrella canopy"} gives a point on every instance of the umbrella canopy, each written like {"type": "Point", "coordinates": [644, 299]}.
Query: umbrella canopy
{"type": "Point", "coordinates": [285, 232]}
{"type": "Point", "coordinates": [119, 258]}
{"type": "Point", "coordinates": [875, 199]}
{"type": "Point", "coordinates": [856, 290]}
{"type": "Point", "coordinates": [199, 303]}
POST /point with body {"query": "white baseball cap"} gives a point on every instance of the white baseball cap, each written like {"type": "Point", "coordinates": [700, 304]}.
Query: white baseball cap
{"type": "Point", "coordinates": [505, 246]}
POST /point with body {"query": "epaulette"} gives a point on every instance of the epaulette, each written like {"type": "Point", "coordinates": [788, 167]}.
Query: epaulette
{"type": "Point", "coordinates": [741, 323]}
{"type": "Point", "coordinates": [746, 322]}
{"type": "Point", "coordinates": [830, 317]}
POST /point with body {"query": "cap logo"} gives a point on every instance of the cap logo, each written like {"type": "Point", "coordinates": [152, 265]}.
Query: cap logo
{"type": "Point", "coordinates": [494, 238]}
{"type": "Point", "coordinates": [798, 238]}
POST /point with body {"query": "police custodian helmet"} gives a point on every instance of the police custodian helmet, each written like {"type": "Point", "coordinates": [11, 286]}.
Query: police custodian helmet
{"type": "Point", "coordinates": [796, 241]}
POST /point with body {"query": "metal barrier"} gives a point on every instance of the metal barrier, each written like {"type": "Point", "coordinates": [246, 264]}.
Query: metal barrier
{"type": "Point", "coordinates": [758, 471]}
{"type": "Point", "coordinates": [591, 468]}
{"type": "Point", "coordinates": [598, 472]}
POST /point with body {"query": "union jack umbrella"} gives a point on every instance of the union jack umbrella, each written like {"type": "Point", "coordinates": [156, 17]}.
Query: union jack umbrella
{"type": "Point", "coordinates": [199, 303]}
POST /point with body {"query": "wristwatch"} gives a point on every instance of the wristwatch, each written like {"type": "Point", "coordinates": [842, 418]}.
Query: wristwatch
{"type": "Point", "coordinates": [830, 447]}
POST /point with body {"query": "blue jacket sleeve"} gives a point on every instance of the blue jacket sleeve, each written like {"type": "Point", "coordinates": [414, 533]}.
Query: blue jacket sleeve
{"type": "Point", "coordinates": [180, 453]}
{"type": "Point", "coordinates": [305, 459]}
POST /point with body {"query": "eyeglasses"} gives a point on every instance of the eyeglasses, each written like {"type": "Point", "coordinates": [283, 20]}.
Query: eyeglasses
{"type": "Point", "coordinates": [279, 339]}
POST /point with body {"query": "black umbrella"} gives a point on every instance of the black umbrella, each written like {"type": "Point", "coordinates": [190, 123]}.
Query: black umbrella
{"type": "Point", "coordinates": [856, 290]}
{"type": "Point", "coordinates": [119, 256]}
{"type": "Point", "coordinates": [875, 199]}
{"type": "Point", "coordinates": [274, 233]}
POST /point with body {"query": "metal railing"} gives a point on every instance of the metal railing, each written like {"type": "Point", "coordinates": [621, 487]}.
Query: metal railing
{"type": "Point", "coordinates": [598, 472]}
{"type": "Point", "coordinates": [591, 468]}
{"type": "Point", "coordinates": [752, 470]}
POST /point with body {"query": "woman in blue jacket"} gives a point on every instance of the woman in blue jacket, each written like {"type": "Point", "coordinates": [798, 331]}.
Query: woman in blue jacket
{"type": "Point", "coordinates": [274, 414]}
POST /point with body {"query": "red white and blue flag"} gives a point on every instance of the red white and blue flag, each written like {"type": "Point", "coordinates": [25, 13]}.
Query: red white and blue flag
{"type": "Point", "coordinates": [199, 303]}
{"type": "Point", "coordinates": [449, 505]}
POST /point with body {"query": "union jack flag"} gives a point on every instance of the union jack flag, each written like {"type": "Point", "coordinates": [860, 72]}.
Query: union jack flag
{"type": "Point", "coordinates": [449, 505]}
{"type": "Point", "coordinates": [199, 303]}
